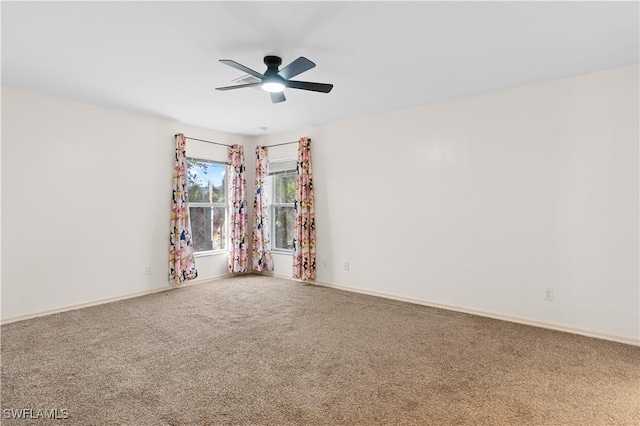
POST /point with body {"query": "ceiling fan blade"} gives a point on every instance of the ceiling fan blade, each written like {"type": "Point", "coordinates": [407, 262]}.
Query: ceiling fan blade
{"type": "Point", "coordinates": [241, 67]}
{"type": "Point", "coordinates": [296, 67]}
{"type": "Point", "coordinates": [239, 86]}
{"type": "Point", "coordinates": [307, 85]}
{"type": "Point", "coordinates": [277, 97]}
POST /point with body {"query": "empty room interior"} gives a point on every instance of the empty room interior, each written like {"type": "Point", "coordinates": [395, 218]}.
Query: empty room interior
{"type": "Point", "coordinates": [320, 213]}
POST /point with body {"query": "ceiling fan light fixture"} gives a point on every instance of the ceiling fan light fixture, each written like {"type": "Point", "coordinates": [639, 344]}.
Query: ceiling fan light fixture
{"type": "Point", "coordinates": [275, 80]}
{"type": "Point", "coordinates": [272, 86]}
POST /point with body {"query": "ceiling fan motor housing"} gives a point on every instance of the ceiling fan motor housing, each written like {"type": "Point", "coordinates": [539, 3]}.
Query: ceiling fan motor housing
{"type": "Point", "coordinates": [272, 63]}
{"type": "Point", "coordinates": [272, 60]}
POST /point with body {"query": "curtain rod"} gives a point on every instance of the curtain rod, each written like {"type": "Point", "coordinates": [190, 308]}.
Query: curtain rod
{"type": "Point", "coordinates": [202, 140]}
{"type": "Point", "coordinates": [279, 144]}
{"type": "Point", "coordinates": [224, 144]}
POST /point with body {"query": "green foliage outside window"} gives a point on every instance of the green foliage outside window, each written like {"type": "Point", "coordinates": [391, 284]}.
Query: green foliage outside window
{"type": "Point", "coordinates": [207, 204]}
{"type": "Point", "coordinates": [284, 196]}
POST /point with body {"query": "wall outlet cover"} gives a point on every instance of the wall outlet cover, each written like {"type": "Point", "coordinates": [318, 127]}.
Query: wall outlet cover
{"type": "Point", "coordinates": [548, 294]}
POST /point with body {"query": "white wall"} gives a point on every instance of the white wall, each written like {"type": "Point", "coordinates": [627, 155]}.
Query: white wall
{"type": "Point", "coordinates": [86, 199]}
{"type": "Point", "coordinates": [484, 202]}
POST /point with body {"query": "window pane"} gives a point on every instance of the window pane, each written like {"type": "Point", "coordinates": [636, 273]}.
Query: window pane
{"type": "Point", "coordinates": [284, 188]}
{"type": "Point", "coordinates": [206, 181]}
{"type": "Point", "coordinates": [208, 228]}
{"type": "Point", "coordinates": [283, 220]}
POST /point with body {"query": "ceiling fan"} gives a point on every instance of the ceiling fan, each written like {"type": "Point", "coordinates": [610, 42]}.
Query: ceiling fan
{"type": "Point", "coordinates": [274, 80]}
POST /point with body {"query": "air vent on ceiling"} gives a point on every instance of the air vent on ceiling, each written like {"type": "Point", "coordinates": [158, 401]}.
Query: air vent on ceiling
{"type": "Point", "coordinates": [248, 78]}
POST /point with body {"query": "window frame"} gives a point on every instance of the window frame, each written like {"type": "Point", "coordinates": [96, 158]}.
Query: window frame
{"type": "Point", "coordinates": [274, 205]}
{"type": "Point", "coordinates": [225, 205]}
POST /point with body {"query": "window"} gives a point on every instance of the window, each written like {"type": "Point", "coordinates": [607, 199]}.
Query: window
{"type": "Point", "coordinates": [207, 182]}
{"type": "Point", "coordinates": [283, 174]}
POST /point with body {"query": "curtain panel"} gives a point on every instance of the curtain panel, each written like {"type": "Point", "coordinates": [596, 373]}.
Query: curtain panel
{"type": "Point", "coordinates": [304, 235]}
{"type": "Point", "coordinates": [261, 258]}
{"type": "Point", "coordinates": [182, 264]}
{"type": "Point", "coordinates": [238, 255]}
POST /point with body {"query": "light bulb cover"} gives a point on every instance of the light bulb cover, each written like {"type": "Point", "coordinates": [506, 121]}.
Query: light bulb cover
{"type": "Point", "coordinates": [272, 86]}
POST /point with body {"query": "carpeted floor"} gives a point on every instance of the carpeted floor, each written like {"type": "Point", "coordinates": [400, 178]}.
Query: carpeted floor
{"type": "Point", "coordinates": [256, 350]}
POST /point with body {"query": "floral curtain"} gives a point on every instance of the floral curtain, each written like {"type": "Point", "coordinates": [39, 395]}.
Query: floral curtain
{"type": "Point", "coordinates": [182, 264]}
{"type": "Point", "coordinates": [261, 241]}
{"type": "Point", "coordinates": [238, 256]}
{"type": "Point", "coordinates": [304, 234]}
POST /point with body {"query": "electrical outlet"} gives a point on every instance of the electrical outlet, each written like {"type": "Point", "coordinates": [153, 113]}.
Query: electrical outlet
{"type": "Point", "coordinates": [346, 266]}
{"type": "Point", "coordinates": [548, 294]}
{"type": "Point", "coordinates": [147, 270]}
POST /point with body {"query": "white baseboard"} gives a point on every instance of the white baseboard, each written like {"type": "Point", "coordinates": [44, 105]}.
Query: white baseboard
{"type": "Point", "coordinates": [629, 340]}
{"type": "Point", "coordinates": [109, 300]}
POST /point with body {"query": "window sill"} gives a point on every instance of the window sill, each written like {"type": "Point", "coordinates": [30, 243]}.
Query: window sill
{"type": "Point", "coordinates": [210, 253]}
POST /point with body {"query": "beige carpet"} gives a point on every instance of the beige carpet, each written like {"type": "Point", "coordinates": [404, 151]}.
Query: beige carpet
{"type": "Point", "coordinates": [256, 350]}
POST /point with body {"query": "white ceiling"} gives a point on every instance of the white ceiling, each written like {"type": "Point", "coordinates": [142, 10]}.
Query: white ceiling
{"type": "Point", "coordinates": [161, 58]}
